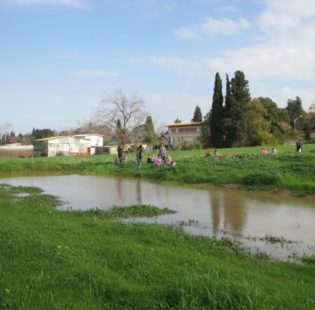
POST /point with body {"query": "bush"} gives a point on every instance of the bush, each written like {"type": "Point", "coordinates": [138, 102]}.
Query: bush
{"type": "Point", "coordinates": [261, 178]}
{"type": "Point", "coordinates": [185, 146]}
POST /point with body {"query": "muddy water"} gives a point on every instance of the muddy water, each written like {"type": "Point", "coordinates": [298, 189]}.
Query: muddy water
{"type": "Point", "coordinates": [248, 217]}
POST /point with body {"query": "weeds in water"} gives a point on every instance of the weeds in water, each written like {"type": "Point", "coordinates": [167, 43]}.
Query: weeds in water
{"type": "Point", "coordinates": [128, 212]}
{"type": "Point", "coordinates": [274, 240]}
{"type": "Point", "coordinates": [309, 260]}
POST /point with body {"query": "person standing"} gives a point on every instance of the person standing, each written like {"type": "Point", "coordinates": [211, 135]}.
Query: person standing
{"type": "Point", "coordinates": [139, 156]}
{"type": "Point", "coordinates": [299, 146]}
{"type": "Point", "coordinates": [120, 154]}
{"type": "Point", "coordinates": [162, 151]}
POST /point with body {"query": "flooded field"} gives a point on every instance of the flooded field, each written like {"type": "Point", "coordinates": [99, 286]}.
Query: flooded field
{"type": "Point", "coordinates": [279, 226]}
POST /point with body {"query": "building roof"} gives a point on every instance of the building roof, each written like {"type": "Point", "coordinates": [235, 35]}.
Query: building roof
{"type": "Point", "coordinates": [51, 138]}
{"type": "Point", "coordinates": [112, 143]}
{"type": "Point", "coordinates": [185, 124]}
{"type": "Point", "coordinates": [65, 138]}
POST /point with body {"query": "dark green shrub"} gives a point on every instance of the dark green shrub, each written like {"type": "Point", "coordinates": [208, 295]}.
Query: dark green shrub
{"type": "Point", "coordinates": [186, 146]}
{"type": "Point", "coordinates": [261, 178]}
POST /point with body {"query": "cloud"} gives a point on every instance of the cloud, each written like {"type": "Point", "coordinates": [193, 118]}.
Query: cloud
{"type": "Point", "coordinates": [284, 52]}
{"type": "Point", "coordinates": [289, 60]}
{"type": "Point", "coordinates": [136, 61]}
{"type": "Point", "coordinates": [186, 33]}
{"type": "Point", "coordinates": [285, 47]}
{"type": "Point", "coordinates": [213, 27]}
{"type": "Point", "coordinates": [95, 73]}
{"type": "Point", "coordinates": [225, 26]}
{"type": "Point", "coordinates": [71, 3]}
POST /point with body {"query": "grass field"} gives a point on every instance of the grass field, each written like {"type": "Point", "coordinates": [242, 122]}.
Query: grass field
{"type": "Point", "coordinates": [246, 167]}
{"type": "Point", "coordinates": [89, 260]}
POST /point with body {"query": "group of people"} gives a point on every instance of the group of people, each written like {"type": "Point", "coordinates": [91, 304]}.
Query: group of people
{"type": "Point", "coordinates": [161, 160]}
{"type": "Point", "coordinates": [264, 151]}
{"type": "Point", "coordinates": [163, 157]}
{"type": "Point", "coordinates": [299, 148]}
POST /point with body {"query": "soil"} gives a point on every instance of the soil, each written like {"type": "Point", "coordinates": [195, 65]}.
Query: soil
{"type": "Point", "coordinates": [16, 153]}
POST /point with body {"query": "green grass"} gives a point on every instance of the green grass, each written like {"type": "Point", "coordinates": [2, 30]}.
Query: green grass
{"type": "Point", "coordinates": [63, 260]}
{"type": "Point", "coordinates": [288, 170]}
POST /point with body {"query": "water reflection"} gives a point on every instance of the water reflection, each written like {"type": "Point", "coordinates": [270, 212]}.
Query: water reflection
{"type": "Point", "coordinates": [138, 192]}
{"type": "Point", "coordinates": [214, 212]}
{"type": "Point", "coordinates": [228, 212]}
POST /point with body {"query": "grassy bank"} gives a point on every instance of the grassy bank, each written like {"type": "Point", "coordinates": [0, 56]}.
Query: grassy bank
{"type": "Point", "coordinates": [62, 260]}
{"type": "Point", "coordinates": [243, 166]}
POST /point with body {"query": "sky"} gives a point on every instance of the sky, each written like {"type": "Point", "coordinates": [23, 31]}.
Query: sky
{"type": "Point", "coordinates": [60, 58]}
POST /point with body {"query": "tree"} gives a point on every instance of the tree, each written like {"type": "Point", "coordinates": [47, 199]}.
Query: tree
{"type": "Point", "coordinates": [42, 133]}
{"type": "Point", "coordinates": [259, 127]}
{"type": "Point", "coordinates": [227, 101]}
{"type": "Point", "coordinates": [197, 115]}
{"type": "Point", "coordinates": [149, 134]}
{"type": "Point", "coordinates": [240, 98]}
{"type": "Point", "coordinates": [4, 130]}
{"type": "Point", "coordinates": [309, 122]}
{"type": "Point", "coordinates": [118, 131]}
{"type": "Point", "coordinates": [118, 107]}
{"type": "Point", "coordinates": [279, 118]}
{"type": "Point", "coordinates": [205, 130]}
{"type": "Point", "coordinates": [216, 130]}
{"type": "Point", "coordinates": [295, 110]}
{"type": "Point", "coordinates": [226, 123]}
{"type": "Point", "coordinates": [118, 125]}
{"type": "Point", "coordinates": [312, 115]}
{"type": "Point", "coordinates": [177, 121]}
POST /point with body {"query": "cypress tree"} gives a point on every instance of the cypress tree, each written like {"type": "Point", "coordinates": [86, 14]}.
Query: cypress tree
{"type": "Point", "coordinates": [240, 98]}
{"type": "Point", "coordinates": [197, 115]}
{"type": "Point", "coordinates": [227, 113]}
{"type": "Point", "coordinates": [149, 135]}
{"type": "Point", "coordinates": [227, 103]}
{"type": "Point", "coordinates": [216, 117]}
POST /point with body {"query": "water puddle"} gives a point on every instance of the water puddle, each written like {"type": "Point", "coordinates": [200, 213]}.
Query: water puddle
{"type": "Point", "coordinates": [281, 227]}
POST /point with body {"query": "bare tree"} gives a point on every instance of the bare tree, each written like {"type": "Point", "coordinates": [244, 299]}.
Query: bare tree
{"type": "Point", "coordinates": [119, 109]}
{"type": "Point", "coordinates": [4, 130]}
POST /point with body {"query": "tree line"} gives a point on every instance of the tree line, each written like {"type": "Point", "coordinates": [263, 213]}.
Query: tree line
{"type": "Point", "coordinates": [238, 120]}
{"type": "Point", "coordinates": [234, 119]}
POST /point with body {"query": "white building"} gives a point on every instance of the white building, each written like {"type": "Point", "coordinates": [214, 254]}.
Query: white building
{"type": "Point", "coordinates": [95, 139]}
{"type": "Point", "coordinates": [184, 132]}
{"type": "Point", "coordinates": [63, 145]}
